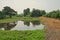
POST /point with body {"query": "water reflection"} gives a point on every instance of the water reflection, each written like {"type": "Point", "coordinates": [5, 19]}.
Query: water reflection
{"type": "Point", "coordinates": [7, 26]}
{"type": "Point", "coordinates": [35, 22]}
{"type": "Point", "coordinates": [26, 23]}
{"type": "Point", "coordinates": [21, 25]}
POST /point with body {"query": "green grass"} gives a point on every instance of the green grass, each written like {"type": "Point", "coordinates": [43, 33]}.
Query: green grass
{"type": "Point", "coordinates": [18, 19]}
{"type": "Point", "coordinates": [9, 20]}
{"type": "Point", "coordinates": [30, 19]}
{"type": "Point", "coordinates": [22, 35]}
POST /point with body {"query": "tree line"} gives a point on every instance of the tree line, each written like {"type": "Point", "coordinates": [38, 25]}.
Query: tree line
{"type": "Point", "coordinates": [7, 12]}
{"type": "Point", "coordinates": [53, 14]}
{"type": "Point", "coordinates": [34, 12]}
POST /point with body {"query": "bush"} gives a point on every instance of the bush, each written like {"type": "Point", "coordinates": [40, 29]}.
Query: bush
{"type": "Point", "coordinates": [54, 14]}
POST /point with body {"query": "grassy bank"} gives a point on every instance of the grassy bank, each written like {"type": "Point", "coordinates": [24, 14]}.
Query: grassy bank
{"type": "Point", "coordinates": [22, 35]}
{"type": "Point", "coordinates": [9, 20]}
{"type": "Point", "coordinates": [30, 19]}
{"type": "Point", "coordinates": [18, 19]}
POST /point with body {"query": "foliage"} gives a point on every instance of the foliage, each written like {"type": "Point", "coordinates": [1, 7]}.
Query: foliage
{"type": "Point", "coordinates": [34, 12]}
{"type": "Point", "coordinates": [26, 11]}
{"type": "Point", "coordinates": [7, 11]}
{"type": "Point", "coordinates": [54, 14]}
{"type": "Point", "coordinates": [37, 13]}
{"type": "Point", "coordinates": [22, 35]}
{"type": "Point", "coordinates": [2, 15]}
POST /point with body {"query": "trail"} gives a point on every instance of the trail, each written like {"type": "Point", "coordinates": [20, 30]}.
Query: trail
{"type": "Point", "coordinates": [52, 28]}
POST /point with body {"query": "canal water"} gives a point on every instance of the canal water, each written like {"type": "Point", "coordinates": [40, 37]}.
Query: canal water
{"type": "Point", "coordinates": [22, 25]}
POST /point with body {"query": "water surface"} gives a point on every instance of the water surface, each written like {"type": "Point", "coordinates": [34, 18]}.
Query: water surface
{"type": "Point", "coordinates": [22, 25]}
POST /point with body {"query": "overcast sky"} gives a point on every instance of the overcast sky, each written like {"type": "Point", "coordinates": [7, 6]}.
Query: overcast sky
{"type": "Point", "coordinates": [20, 5]}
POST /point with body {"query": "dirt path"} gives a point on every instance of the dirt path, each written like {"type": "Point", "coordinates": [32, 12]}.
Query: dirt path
{"type": "Point", "coordinates": [52, 28]}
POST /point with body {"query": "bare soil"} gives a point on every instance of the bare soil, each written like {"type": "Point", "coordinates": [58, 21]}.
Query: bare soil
{"type": "Point", "coordinates": [52, 28]}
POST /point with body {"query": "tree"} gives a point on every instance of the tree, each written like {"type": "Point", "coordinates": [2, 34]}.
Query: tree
{"type": "Point", "coordinates": [43, 12]}
{"type": "Point", "coordinates": [9, 11]}
{"type": "Point", "coordinates": [37, 13]}
{"type": "Point", "coordinates": [54, 14]}
{"type": "Point", "coordinates": [2, 15]}
{"type": "Point", "coordinates": [26, 11]}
